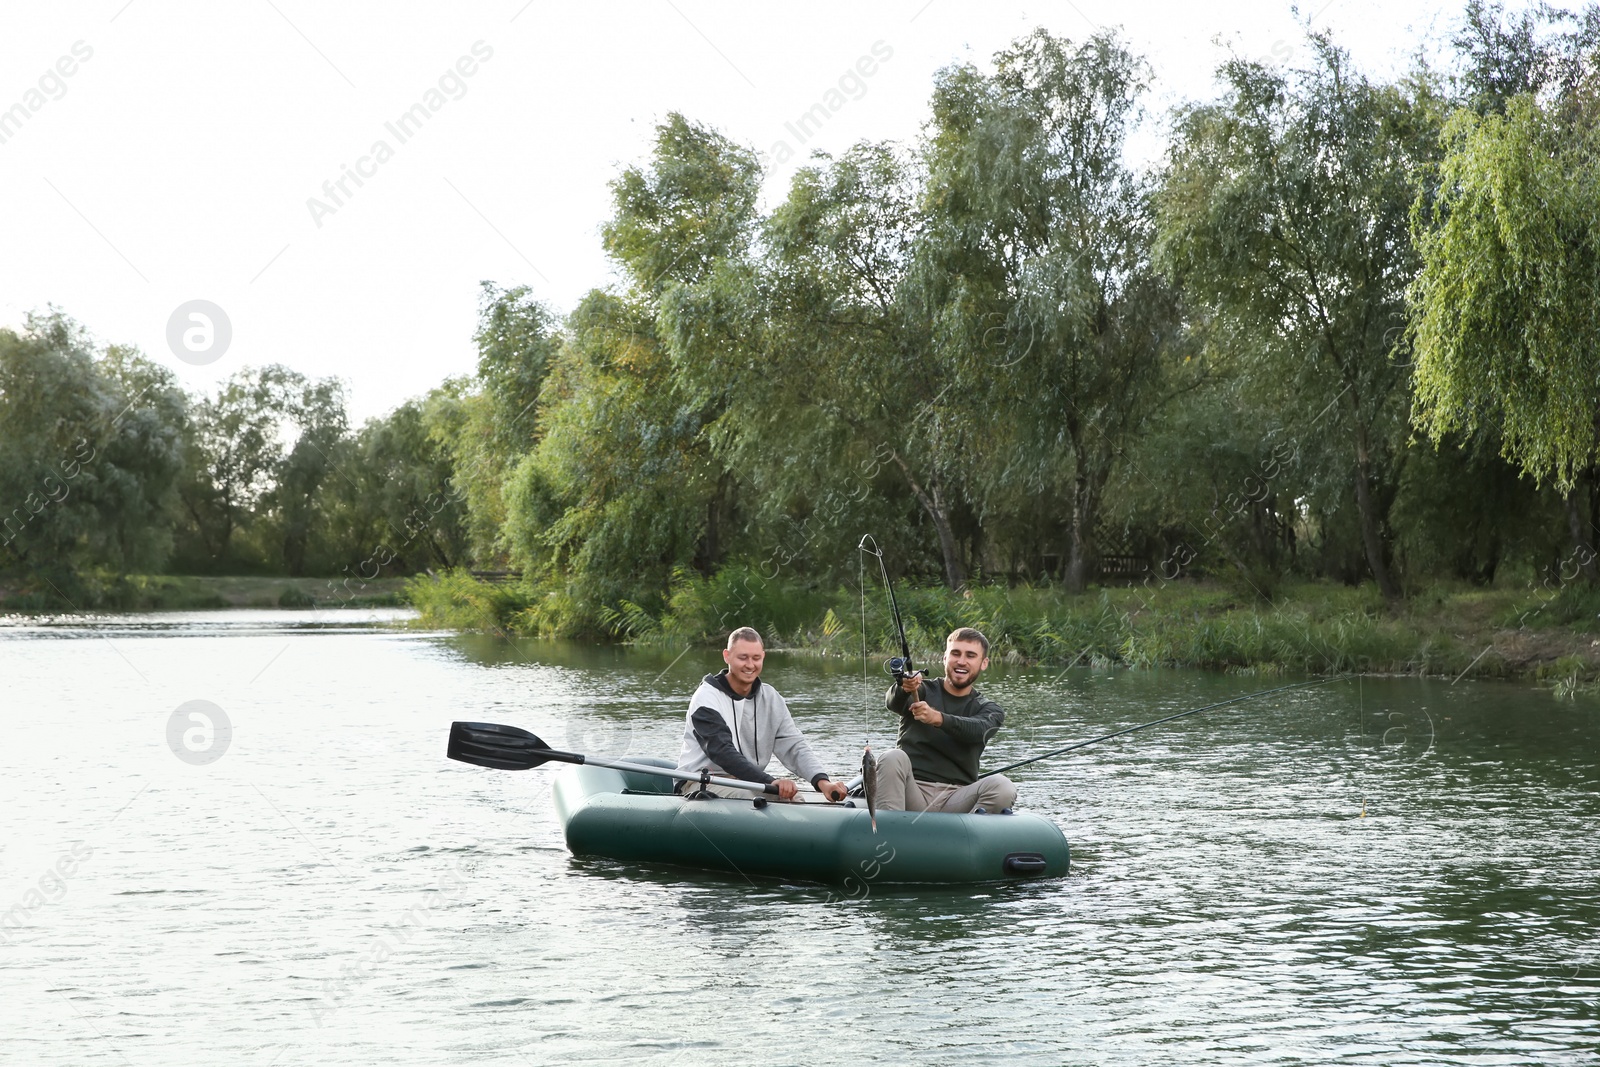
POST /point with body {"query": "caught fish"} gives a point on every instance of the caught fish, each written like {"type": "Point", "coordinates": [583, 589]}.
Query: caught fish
{"type": "Point", "coordinates": [869, 785]}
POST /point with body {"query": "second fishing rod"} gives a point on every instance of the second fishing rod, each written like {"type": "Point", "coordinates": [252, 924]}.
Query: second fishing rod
{"type": "Point", "coordinates": [901, 667]}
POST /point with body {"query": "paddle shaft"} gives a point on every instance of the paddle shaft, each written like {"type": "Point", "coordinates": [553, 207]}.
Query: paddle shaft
{"type": "Point", "coordinates": [672, 772]}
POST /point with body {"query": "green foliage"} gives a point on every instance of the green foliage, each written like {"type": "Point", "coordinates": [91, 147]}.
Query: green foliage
{"type": "Point", "coordinates": [393, 507]}
{"type": "Point", "coordinates": [1217, 487]}
{"type": "Point", "coordinates": [258, 452]}
{"type": "Point", "coordinates": [1505, 330]}
{"type": "Point", "coordinates": [488, 423]}
{"type": "Point", "coordinates": [1543, 51]}
{"type": "Point", "coordinates": [89, 455]}
{"type": "Point", "coordinates": [1284, 212]}
{"type": "Point", "coordinates": [1320, 629]}
{"type": "Point", "coordinates": [1560, 601]}
{"type": "Point", "coordinates": [1462, 510]}
{"type": "Point", "coordinates": [620, 486]}
{"type": "Point", "coordinates": [706, 609]}
{"type": "Point", "coordinates": [691, 208]}
{"type": "Point", "coordinates": [456, 600]}
{"type": "Point", "coordinates": [1038, 270]}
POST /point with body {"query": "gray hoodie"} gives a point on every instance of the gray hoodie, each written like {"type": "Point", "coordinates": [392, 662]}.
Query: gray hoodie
{"type": "Point", "coordinates": [736, 737]}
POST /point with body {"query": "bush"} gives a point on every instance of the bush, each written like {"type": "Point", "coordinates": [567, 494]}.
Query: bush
{"type": "Point", "coordinates": [705, 609]}
{"type": "Point", "coordinates": [457, 601]}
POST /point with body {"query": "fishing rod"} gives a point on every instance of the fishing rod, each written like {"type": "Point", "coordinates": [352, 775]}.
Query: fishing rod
{"type": "Point", "coordinates": [899, 666]}
{"type": "Point", "coordinates": [1158, 722]}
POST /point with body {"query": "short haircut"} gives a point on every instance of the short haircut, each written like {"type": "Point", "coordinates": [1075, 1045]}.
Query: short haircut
{"type": "Point", "coordinates": [967, 633]}
{"type": "Point", "coordinates": [747, 633]}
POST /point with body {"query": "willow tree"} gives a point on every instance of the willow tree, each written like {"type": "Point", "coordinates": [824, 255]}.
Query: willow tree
{"type": "Point", "coordinates": [1507, 306]}
{"type": "Point", "coordinates": [493, 422]}
{"type": "Point", "coordinates": [822, 348]}
{"type": "Point", "coordinates": [1542, 50]}
{"type": "Point", "coordinates": [622, 485]}
{"type": "Point", "coordinates": [1037, 265]}
{"type": "Point", "coordinates": [614, 496]}
{"type": "Point", "coordinates": [1285, 212]}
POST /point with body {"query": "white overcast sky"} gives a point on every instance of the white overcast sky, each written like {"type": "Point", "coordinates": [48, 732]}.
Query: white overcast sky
{"type": "Point", "coordinates": [176, 162]}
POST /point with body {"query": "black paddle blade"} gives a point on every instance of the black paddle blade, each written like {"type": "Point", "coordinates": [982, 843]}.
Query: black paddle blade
{"type": "Point", "coordinates": [489, 744]}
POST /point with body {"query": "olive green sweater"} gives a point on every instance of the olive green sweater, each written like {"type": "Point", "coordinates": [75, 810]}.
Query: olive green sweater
{"type": "Point", "coordinates": [947, 753]}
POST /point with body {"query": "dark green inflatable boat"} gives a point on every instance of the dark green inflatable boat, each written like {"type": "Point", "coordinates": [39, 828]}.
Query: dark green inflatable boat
{"type": "Point", "coordinates": [635, 817]}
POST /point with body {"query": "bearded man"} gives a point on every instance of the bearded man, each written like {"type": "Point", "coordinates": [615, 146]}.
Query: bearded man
{"type": "Point", "coordinates": [944, 725]}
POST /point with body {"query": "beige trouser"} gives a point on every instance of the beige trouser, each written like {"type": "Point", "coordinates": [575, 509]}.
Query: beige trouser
{"type": "Point", "coordinates": [899, 790]}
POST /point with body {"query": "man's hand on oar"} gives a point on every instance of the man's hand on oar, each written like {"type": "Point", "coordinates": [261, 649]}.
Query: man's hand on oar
{"type": "Point", "coordinates": [834, 791]}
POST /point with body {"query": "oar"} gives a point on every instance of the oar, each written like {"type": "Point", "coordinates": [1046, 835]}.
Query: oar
{"type": "Point", "coordinates": [1158, 722]}
{"type": "Point", "coordinates": [510, 748]}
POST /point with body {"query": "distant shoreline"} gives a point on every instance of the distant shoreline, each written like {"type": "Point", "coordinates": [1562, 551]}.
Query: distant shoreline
{"type": "Point", "coordinates": [1530, 634]}
{"type": "Point", "coordinates": [1312, 628]}
{"type": "Point", "coordinates": [199, 592]}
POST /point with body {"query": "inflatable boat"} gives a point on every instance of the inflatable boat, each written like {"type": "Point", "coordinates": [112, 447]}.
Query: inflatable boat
{"type": "Point", "coordinates": [636, 817]}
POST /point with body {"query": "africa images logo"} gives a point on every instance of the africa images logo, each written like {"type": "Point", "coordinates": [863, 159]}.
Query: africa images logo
{"type": "Point", "coordinates": [451, 85]}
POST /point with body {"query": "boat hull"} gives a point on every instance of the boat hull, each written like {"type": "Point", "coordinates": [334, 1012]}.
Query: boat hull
{"type": "Point", "coordinates": [634, 818]}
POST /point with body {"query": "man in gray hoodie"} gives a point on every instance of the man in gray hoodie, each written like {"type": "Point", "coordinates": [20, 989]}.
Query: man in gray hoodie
{"type": "Point", "coordinates": [736, 724]}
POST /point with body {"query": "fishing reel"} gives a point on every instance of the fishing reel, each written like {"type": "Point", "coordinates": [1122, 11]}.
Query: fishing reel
{"type": "Point", "coordinates": [900, 667]}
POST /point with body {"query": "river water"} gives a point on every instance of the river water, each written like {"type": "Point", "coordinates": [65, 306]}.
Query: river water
{"type": "Point", "coordinates": [1379, 871]}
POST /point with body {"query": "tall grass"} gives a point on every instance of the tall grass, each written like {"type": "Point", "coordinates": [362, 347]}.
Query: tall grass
{"type": "Point", "coordinates": [458, 601]}
{"type": "Point", "coordinates": [1314, 627]}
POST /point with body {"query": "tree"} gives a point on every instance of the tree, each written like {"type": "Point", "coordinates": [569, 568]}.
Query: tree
{"type": "Point", "coordinates": [1284, 211]}
{"type": "Point", "coordinates": [820, 341]}
{"type": "Point", "coordinates": [89, 453]}
{"type": "Point", "coordinates": [136, 484]}
{"type": "Point", "coordinates": [491, 423]}
{"type": "Point", "coordinates": [613, 498]}
{"type": "Point", "coordinates": [316, 410]}
{"type": "Point", "coordinates": [392, 509]}
{"type": "Point", "coordinates": [622, 486]}
{"type": "Point", "coordinates": [692, 209]}
{"type": "Point", "coordinates": [1505, 328]}
{"type": "Point", "coordinates": [1038, 265]}
{"type": "Point", "coordinates": [240, 469]}
{"type": "Point", "coordinates": [1544, 51]}
{"type": "Point", "coordinates": [1463, 511]}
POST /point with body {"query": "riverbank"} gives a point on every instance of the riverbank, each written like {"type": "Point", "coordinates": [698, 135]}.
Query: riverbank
{"type": "Point", "coordinates": [140, 592]}
{"type": "Point", "coordinates": [1548, 635]}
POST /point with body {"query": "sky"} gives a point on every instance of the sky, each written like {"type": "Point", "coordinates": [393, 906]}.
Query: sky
{"type": "Point", "coordinates": [170, 171]}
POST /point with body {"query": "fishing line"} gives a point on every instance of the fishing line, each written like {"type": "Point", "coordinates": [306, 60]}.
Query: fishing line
{"type": "Point", "coordinates": [866, 682]}
{"type": "Point", "coordinates": [1158, 722]}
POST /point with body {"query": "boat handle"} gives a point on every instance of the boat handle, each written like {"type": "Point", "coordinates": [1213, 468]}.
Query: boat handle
{"type": "Point", "coordinates": [1025, 863]}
